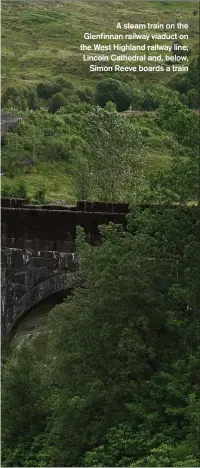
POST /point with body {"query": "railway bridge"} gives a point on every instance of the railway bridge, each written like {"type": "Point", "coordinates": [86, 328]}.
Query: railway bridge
{"type": "Point", "coordinates": [39, 250]}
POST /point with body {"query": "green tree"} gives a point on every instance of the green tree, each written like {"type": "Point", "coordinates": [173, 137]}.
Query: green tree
{"type": "Point", "coordinates": [185, 81]}
{"type": "Point", "coordinates": [47, 90]}
{"type": "Point", "coordinates": [57, 148]}
{"type": "Point", "coordinates": [183, 122]}
{"type": "Point", "coordinates": [57, 101]}
{"type": "Point", "coordinates": [137, 97]}
{"type": "Point", "coordinates": [86, 95]}
{"type": "Point", "coordinates": [23, 404]}
{"type": "Point", "coordinates": [119, 380]}
{"type": "Point", "coordinates": [150, 102]}
{"type": "Point", "coordinates": [115, 91]}
{"type": "Point", "coordinates": [64, 82]}
{"type": "Point", "coordinates": [122, 387]}
{"type": "Point", "coordinates": [81, 172]}
{"type": "Point", "coordinates": [177, 184]}
{"type": "Point", "coordinates": [193, 98]}
{"type": "Point", "coordinates": [12, 154]}
{"type": "Point", "coordinates": [113, 155]}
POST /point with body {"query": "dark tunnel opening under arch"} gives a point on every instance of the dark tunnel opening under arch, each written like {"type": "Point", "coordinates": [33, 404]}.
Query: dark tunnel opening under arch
{"type": "Point", "coordinates": [34, 320]}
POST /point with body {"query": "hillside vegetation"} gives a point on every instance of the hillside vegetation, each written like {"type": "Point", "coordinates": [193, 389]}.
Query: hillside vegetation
{"type": "Point", "coordinates": [112, 378]}
{"type": "Point", "coordinates": [42, 68]}
{"type": "Point", "coordinates": [85, 152]}
{"type": "Point", "coordinates": [41, 40]}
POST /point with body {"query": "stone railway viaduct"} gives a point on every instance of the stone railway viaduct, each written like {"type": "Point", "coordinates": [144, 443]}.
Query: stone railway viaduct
{"type": "Point", "coordinates": [38, 246]}
{"type": "Point", "coordinates": [39, 251]}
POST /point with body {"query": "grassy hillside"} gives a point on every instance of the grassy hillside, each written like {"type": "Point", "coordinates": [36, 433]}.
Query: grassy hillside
{"type": "Point", "coordinates": [55, 177]}
{"type": "Point", "coordinates": [52, 176]}
{"type": "Point", "coordinates": [41, 39]}
{"type": "Point", "coordinates": [59, 185]}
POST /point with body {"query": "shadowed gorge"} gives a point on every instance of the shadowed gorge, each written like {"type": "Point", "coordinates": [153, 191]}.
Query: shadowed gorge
{"type": "Point", "coordinates": [34, 321]}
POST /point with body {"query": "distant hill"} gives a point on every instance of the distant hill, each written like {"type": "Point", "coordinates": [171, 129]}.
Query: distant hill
{"type": "Point", "coordinates": [41, 40]}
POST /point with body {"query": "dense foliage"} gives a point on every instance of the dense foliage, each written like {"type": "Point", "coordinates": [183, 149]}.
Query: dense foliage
{"type": "Point", "coordinates": [138, 95]}
{"type": "Point", "coordinates": [105, 152]}
{"type": "Point", "coordinates": [108, 165]}
{"type": "Point", "coordinates": [188, 85]}
{"type": "Point", "coordinates": [115, 91]}
{"type": "Point", "coordinates": [118, 384]}
{"type": "Point", "coordinates": [115, 381]}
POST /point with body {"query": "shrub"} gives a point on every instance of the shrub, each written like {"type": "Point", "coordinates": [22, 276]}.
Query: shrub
{"type": "Point", "coordinates": [137, 98]}
{"type": "Point", "coordinates": [19, 190]}
{"type": "Point", "coordinates": [47, 90]}
{"type": "Point", "coordinates": [56, 149]}
{"type": "Point", "coordinates": [193, 98]}
{"type": "Point", "coordinates": [40, 195]}
{"type": "Point", "coordinates": [151, 101]}
{"type": "Point", "coordinates": [62, 81]}
{"type": "Point", "coordinates": [10, 93]}
{"type": "Point", "coordinates": [56, 102]}
{"type": "Point", "coordinates": [146, 132]}
{"type": "Point", "coordinates": [32, 99]}
{"type": "Point", "coordinates": [22, 192]}
{"type": "Point", "coordinates": [6, 191]}
{"type": "Point", "coordinates": [110, 106]}
{"type": "Point", "coordinates": [86, 95]}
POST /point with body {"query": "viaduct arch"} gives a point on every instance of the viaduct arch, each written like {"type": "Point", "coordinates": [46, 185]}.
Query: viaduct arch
{"type": "Point", "coordinates": [39, 249]}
